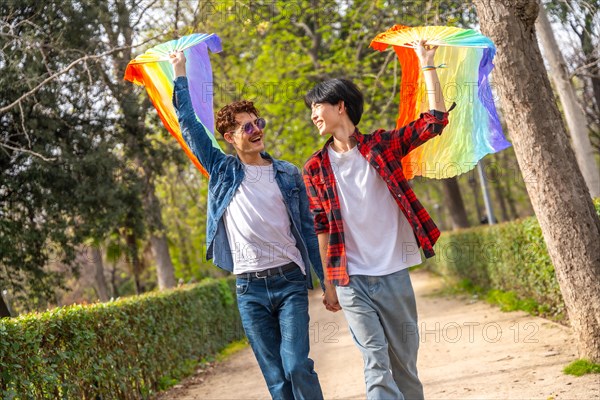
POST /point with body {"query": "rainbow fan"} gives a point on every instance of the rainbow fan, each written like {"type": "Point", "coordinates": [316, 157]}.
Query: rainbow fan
{"type": "Point", "coordinates": [154, 71]}
{"type": "Point", "coordinates": [474, 128]}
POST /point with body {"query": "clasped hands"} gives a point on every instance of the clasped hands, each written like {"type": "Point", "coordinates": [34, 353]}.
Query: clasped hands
{"type": "Point", "coordinates": [330, 299]}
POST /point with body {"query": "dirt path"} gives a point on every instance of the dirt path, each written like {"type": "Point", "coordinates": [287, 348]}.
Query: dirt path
{"type": "Point", "coordinates": [469, 350]}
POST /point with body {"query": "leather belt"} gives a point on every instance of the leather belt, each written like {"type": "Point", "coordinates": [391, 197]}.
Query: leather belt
{"type": "Point", "coordinates": [275, 271]}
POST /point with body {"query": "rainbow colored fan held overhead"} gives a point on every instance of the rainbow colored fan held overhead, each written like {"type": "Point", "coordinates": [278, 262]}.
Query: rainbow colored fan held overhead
{"type": "Point", "coordinates": [474, 128]}
{"type": "Point", "coordinates": [154, 71]}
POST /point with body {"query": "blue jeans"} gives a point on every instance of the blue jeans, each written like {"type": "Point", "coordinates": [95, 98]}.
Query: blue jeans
{"type": "Point", "coordinates": [274, 313]}
{"type": "Point", "coordinates": [382, 314]}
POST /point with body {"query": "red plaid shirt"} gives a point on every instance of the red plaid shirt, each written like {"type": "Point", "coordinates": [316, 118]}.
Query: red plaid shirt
{"type": "Point", "coordinates": [383, 150]}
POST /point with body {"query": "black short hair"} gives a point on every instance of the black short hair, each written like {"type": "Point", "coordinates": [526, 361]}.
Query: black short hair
{"type": "Point", "coordinates": [332, 91]}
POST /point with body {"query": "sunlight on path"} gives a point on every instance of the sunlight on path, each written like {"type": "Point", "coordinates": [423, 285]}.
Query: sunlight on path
{"type": "Point", "coordinates": [469, 350]}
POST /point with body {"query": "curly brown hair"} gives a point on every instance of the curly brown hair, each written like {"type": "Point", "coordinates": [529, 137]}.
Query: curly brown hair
{"type": "Point", "coordinates": [226, 116]}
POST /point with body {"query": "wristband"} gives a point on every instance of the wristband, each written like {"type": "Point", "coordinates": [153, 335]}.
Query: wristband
{"type": "Point", "coordinates": [430, 67]}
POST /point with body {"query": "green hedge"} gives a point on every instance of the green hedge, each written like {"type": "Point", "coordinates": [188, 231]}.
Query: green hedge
{"type": "Point", "coordinates": [122, 349]}
{"type": "Point", "coordinates": [510, 257]}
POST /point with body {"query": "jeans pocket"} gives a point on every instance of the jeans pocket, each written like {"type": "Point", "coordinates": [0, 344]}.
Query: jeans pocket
{"type": "Point", "coordinates": [295, 276]}
{"type": "Point", "coordinates": [346, 295]}
{"type": "Point", "coordinates": [241, 288]}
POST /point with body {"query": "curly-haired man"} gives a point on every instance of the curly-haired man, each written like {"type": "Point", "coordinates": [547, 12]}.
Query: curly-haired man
{"type": "Point", "coordinates": [259, 227]}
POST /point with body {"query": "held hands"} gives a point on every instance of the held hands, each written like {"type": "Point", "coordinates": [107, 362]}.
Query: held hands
{"type": "Point", "coordinates": [330, 300]}
{"type": "Point", "coordinates": [178, 60]}
{"type": "Point", "coordinates": [425, 52]}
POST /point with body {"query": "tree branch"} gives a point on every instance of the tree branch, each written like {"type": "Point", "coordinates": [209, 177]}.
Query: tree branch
{"type": "Point", "coordinates": [143, 12]}
{"type": "Point", "coordinates": [3, 110]}
{"type": "Point", "coordinates": [306, 29]}
{"type": "Point", "coordinates": [33, 153]}
{"type": "Point", "coordinates": [578, 70]}
{"type": "Point", "coordinates": [313, 52]}
{"type": "Point", "coordinates": [393, 96]}
{"type": "Point", "coordinates": [387, 60]}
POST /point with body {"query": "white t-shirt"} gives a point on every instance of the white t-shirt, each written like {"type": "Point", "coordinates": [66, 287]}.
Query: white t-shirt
{"type": "Point", "coordinates": [378, 238]}
{"type": "Point", "coordinates": [258, 225]}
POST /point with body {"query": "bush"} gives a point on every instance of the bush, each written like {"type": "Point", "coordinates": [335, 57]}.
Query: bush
{"type": "Point", "coordinates": [510, 258]}
{"type": "Point", "coordinates": [122, 349]}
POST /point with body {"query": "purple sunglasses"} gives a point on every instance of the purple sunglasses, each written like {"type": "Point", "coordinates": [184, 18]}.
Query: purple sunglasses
{"type": "Point", "coordinates": [248, 127]}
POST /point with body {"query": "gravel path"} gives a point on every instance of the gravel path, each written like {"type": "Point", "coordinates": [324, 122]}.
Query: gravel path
{"type": "Point", "coordinates": [469, 350]}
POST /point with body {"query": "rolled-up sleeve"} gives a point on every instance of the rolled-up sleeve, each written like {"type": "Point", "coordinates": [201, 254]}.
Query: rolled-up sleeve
{"type": "Point", "coordinates": [419, 131]}
{"type": "Point", "coordinates": [315, 205]}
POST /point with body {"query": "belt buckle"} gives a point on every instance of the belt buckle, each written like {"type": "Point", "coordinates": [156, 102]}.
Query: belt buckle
{"type": "Point", "coordinates": [260, 276]}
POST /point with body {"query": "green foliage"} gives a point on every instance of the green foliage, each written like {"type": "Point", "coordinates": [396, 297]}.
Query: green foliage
{"type": "Point", "coordinates": [183, 194]}
{"type": "Point", "coordinates": [461, 287]}
{"type": "Point", "coordinates": [274, 52]}
{"type": "Point", "coordinates": [123, 349]}
{"type": "Point", "coordinates": [231, 349]}
{"type": "Point", "coordinates": [582, 367]}
{"type": "Point", "coordinates": [510, 258]}
{"type": "Point", "coordinates": [110, 149]}
{"type": "Point", "coordinates": [270, 57]}
{"type": "Point", "coordinates": [508, 301]}
{"type": "Point", "coordinates": [61, 180]}
{"type": "Point", "coordinates": [189, 366]}
{"type": "Point", "coordinates": [509, 261]}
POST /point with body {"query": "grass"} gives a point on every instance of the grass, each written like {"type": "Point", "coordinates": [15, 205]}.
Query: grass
{"type": "Point", "coordinates": [508, 301]}
{"type": "Point", "coordinates": [582, 367]}
{"type": "Point", "coordinates": [190, 366]}
{"type": "Point", "coordinates": [175, 376]}
{"type": "Point", "coordinates": [232, 348]}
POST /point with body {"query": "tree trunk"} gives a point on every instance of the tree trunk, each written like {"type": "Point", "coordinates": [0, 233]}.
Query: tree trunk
{"type": "Point", "coordinates": [182, 237]}
{"type": "Point", "coordinates": [113, 281]}
{"type": "Point", "coordinates": [165, 270]}
{"type": "Point", "coordinates": [439, 219]}
{"type": "Point", "coordinates": [564, 209]}
{"type": "Point", "coordinates": [574, 115]}
{"type": "Point", "coordinates": [455, 204]}
{"type": "Point", "coordinates": [504, 156]}
{"type": "Point", "coordinates": [495, 180]}
{"type": "Point", "coordinates": [134, 260]}
{"type": "Point", "coordinates": [164, 265]}
{"type": "Point", "coordinates": [498, 190]}
{"type": "Point", "coordinates": [101, 285]}
{"type": "Point", "coordinates": [4, 312]}
{"type": "Point", "coordinates": [183, 248]}
{"type": "Point", "coordinates": [133, 123]}
{"type": "Point", "coordinates": [590, 51]}
{"type": "Point", "coordinates": [511, 203]}
{"type": "Point", "coordinates": [475, 188]}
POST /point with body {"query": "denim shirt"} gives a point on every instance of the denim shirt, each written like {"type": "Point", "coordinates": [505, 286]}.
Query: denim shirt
{"type": "Point", "coordinates": [227, 173]}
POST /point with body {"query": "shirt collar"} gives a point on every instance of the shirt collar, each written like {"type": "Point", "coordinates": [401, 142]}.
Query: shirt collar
{"type": "Point", "coordinates": [356, 135]}
{"type": "Point", "coordinates": [276, 164]}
